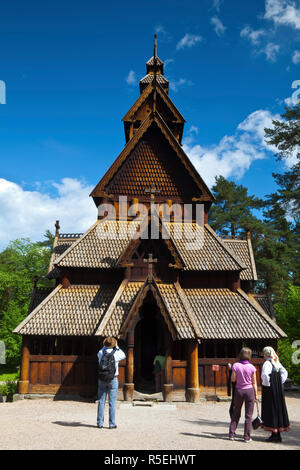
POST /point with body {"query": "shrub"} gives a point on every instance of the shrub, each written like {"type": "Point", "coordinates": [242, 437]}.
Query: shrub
{"type": "Point", "coordinates": [3, 390]}
{"type": "Point", "coordinates": [285, 352]}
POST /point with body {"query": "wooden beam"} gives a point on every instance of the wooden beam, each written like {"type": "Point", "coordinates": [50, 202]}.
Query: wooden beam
{"type": "Point", "coordinates": [128, 387]}
{"type": "Point", "coordinates": [23, 383]}
{"type": "Point", "coordinates": [168, 385]}
{"type": "Point", "coordinates": [192, 372]}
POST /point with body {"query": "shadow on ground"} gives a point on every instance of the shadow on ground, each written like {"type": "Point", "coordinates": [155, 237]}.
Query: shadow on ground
{"type": "Point", "coordinates": [291, 438]}
{"type": "Point", "coordinates": [74, 424]}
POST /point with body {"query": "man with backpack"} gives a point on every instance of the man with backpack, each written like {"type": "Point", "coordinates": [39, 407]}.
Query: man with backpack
{"type": "Point", "coordinates": [108, 358]}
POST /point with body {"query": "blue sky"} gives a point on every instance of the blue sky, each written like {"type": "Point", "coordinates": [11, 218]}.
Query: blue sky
{"type": "Point", "coordinates": [71, 71]}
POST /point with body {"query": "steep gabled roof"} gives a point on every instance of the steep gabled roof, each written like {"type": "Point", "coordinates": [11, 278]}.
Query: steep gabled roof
{"type": "Point", "coordinates": [243, 250]}
{"type": "Point", "coordinates": [149, 78]}
{"type": "Point", "coordinates": [135, 241]}
{"type": "Point", "coordinates": [223, 314]}
{"type": "Point", "coordinates": [153, 118]}
{"type": "Point", "coordinates": [143, 97]}
{"type": "Point", "coordinates": [109, 244]}
{"type": "Point", "coordinates": [201, 249]}
{"type": "Point", "coordinates": [171, 306]}
{"type": "Point", "coordinates": [61, 243]}
{"type": "Point", "coordinates": [100, 246]}
{"type": "Point", "coordinates": [112, 309]}
{"type": "Point", "coordinates": [75, 311]}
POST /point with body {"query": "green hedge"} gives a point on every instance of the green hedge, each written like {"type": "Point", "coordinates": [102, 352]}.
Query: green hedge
{"type": "Point", "coordinates": [8, 389]}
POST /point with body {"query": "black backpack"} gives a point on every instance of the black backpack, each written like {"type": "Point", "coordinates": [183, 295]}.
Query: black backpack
{"type": "Point", "coordinates": [107, 366]}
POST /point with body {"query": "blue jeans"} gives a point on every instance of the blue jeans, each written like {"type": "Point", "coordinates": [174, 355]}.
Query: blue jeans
{"type": "Point", "coordinates": [112, 389]}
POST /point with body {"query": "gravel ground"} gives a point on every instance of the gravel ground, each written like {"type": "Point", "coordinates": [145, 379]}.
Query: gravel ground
{"type": "Point", "coordinates": [48, 424]}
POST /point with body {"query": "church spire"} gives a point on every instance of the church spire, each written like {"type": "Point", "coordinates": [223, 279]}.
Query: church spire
{"type": "Point", "coordinates": [155, 71]}
{"type": "Point", "coordinates": [155, 46]}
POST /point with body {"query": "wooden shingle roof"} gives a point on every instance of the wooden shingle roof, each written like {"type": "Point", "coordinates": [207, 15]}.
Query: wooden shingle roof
{"type": "Point", "coordinates": [243, 250]}
{"type": "Point", "coordinates": [76, 311]}
{"type": "Point", "coordinates": [157, 121]}
{"type": "Point", "coordinates": [145, 95]}
{"type": "Point", "coordinates": [201, 249]}
{"type": "Point", "coordinates": [61, 243]}
{"type": "Point", "coordinates": [223, 314]}
{"type": "Point", "coordinates": [106, 242]}
{"type": "Point", "coordinates": [87, 310]}
{"type": "Point", "coordinates": [100, 247]}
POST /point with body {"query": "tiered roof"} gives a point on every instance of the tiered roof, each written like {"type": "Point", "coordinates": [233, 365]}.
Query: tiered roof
{"type": "Point", "coordinates": [110, 309]}
{"type": "Point", "coordinates": [152, 156]}
{"type": "Point", "coordinates": [106, 242]}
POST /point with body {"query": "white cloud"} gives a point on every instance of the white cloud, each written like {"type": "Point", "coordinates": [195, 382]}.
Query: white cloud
{"type": "Point", "coordinates": [283, 12]}
{"type": "Point", "coordinates": [131, 78]}
{"type": "Point", "coordinates": [217, 4]}
{"type": "Point", "coordinates": [26, 213]}
{"type": "Point", "coordinates": [159, 29]}
{"type": "Point", "coordinates": [296, 57]}
{"type": "Point", "coordinates": [218, 25]}
{"type": "Point", "coordinates": [168, 61]}
{"type": "Point", "coordinates": [253, 35]}
{"type": "Point", "coordinates": [289, 101]}
{"type": "Point", "coordinates": [182, 82]}
{"type": "Point", "coordinates": [233, 155]}
{"type": "Point", "coordinates": [270, 50]}
{"type": "Point", "coordinates": [188, 40]}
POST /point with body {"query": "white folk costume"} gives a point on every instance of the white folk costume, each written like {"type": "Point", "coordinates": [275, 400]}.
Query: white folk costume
{"type": "Point", "coordinates": [274, 413]}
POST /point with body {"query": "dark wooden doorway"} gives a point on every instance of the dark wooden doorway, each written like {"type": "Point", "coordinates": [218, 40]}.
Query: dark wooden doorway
{"type": "Point", "coordinates": [148, 341]}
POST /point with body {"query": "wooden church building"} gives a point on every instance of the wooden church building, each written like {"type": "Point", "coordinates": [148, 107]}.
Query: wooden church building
{"type": "Point", "coordinates": [158, 292]}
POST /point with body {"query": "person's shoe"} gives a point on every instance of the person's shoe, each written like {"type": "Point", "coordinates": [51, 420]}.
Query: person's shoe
{"type": "Point", "coordinates": [272, 438]}
{"type": "Point", "coordinates": [100, 427]}
{"type": "Point", "coordinates": [248, 440]}
{"type": "Point", "coordinates": [112, 427]}
{"type": "Point", "coordinates": [231, 438]}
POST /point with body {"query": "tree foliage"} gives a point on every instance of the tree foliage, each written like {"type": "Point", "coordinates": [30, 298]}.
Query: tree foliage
{"type": "Point", "coordinates": [285, 135]}
{"type": "Point", "coordinates": [232, 212]}
{"type": "Point", "coordinates": [20, 262]}
{"type": "Point", "coordinates": [288, 318]}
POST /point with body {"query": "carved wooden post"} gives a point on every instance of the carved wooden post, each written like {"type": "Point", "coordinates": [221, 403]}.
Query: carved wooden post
{"type": "Point", "coordinates": [128, 388]}
{"type": "Point", "coordinates": [192, 372]}
{"type": "Point", "coordinates": [24, 375]}
{"type": "Point", "coordinates": [168, 385]}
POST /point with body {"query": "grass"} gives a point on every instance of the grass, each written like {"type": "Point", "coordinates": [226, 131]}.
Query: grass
{"type": "Point", "coordinates": [8, 373]}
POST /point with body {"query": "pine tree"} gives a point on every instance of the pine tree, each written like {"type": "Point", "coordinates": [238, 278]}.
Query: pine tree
{"type": "Point", "coordinates": [232, 212]}
{"type": "Point", "coordinates": [285, 135]}
{"type": "Point", "coordinates": [275, 251]}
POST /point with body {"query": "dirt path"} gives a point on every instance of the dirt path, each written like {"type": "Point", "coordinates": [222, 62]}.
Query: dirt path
{"type": "Point", "coordinates": [47, 424]}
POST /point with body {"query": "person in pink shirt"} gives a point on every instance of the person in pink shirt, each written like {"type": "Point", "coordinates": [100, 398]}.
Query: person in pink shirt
{"type": "Point", "coordinates": [244, 376]}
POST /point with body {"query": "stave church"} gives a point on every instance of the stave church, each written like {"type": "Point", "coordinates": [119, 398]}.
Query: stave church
{"type": "Point", "coordinates": [151, 272]}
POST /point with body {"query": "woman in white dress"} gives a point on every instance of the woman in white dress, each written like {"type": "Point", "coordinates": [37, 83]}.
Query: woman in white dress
{"type": "Point", "coordinates": [274, 413]}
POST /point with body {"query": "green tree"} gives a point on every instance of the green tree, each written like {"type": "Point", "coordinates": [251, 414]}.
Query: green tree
{"type": "Point", "coordinates": [275, 251]}
{"type": "Point", "coordinates": [285, 135]}
{"type": "Point", "coordinates": [232, 212]}
{"type": "Point", "coordinates": [288, 318]}
{"type": "Point", "coordinates": [20, 262]}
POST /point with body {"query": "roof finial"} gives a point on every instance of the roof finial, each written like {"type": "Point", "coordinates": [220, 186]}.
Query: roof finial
{"type": "Point", "coordinates": [155, 71]}
{"type": "Point", "coordinates": [57, 227]}
{"type": "Point", "coordinates": [248, 232]}
{"type": "Point", "coordinates": [155, 46]}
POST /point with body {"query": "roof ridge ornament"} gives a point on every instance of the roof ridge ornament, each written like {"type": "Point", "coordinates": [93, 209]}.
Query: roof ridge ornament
{"type": "Point", "coordinates": [155, 72]}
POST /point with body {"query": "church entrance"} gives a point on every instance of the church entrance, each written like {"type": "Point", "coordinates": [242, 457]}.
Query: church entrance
{"type": "Point", "coordinates": [148, 341]}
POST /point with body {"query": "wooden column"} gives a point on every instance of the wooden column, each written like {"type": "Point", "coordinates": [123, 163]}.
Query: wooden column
{"type": "Point", "coordinates": [168, 385]}
{"type": "Point", "coordinates": [128, 387]}
{"type": "Point", "coordinates": [193, 392]}
{"type": "Point", "coordinates": [23, 383]}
